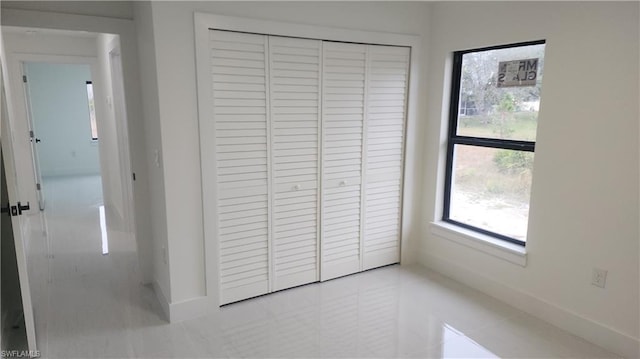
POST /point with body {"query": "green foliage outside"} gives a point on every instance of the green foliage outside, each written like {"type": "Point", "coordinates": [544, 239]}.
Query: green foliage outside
{"type": "Point", "coordinates": [494, 173]}
{"type": "Point", "coordinates": [513, 162]}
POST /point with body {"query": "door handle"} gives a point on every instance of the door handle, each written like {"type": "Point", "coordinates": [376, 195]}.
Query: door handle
{"type": "Point", "coordinates": [22, 207]}
{"type": "Point", "coordinates": [37, 140]}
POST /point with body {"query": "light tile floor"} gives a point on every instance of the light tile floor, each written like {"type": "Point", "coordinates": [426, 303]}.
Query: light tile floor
{"type": "Point", "coordinates": [96, 307]}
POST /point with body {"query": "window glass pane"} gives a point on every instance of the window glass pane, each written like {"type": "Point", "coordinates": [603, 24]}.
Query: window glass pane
{"type": "Point", "coordinates": [92, 111]}
{"type": "Point", "coordinates": [491, 189]}
{"type": "Point", "coordinates": [488, 110]}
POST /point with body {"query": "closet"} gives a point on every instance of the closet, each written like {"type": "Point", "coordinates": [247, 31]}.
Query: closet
{"type": "Point", "coordinates": [309, 138]}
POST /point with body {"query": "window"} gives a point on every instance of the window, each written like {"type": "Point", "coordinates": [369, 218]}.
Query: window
{"type": "Point", "coordinates": [495, 99]}
{"type": "Point", "coordinates": [92, 111]}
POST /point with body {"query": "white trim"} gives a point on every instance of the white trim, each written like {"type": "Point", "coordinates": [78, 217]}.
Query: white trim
{"type": "Point", "coordinates": [162, 299]}
{"type": "Point", "coordinates": [205, 21]}
{"type": "Point", "coordinates": [498, 248]}
{"type": "Point", "coordinates": [122, 134]}
{"type": "Point", "coordinates": [412, 160]}
{"type": "Point", "coordinates": [590, 330]}
{"type": "Point", "coordinates": [207, 164]}
{"type": "Point", "coordinates": [202, 23]}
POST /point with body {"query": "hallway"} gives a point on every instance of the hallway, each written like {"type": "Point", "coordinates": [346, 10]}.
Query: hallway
{"type": "Point", "coordinates": [93, 299]}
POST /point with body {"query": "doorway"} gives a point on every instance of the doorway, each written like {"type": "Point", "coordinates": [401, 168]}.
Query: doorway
{"type": "Point", "coordinates": [64, 132]}
{"type": "Point", "coordinates": [68, 96]}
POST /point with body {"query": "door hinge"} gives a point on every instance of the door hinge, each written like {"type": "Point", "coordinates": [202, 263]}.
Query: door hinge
{"type": "Point", "coordinates": [31, 135]}
{"type": "Point", "coordinates": [24, 78]}
{"type": "Point", "coordinates": [38, 186]}
{"type": "Point", "coordinates": [134, 176]}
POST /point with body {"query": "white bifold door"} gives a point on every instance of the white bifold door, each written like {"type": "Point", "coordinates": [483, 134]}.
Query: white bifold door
{"type": "Point", "coordinates": [387, 80]}
{"type": "Point", "coordinates": [295, 128]}
{"type": "Point", "coordinates": [363, 118]}
{"type": "Point", "coordinates": [308, 153]}
{"type": "Point", "coordinates": [239, 66]}
{"type": "Point", "coordinates": [343, 117]}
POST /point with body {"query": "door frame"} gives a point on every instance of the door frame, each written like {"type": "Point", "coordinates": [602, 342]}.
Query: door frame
{"type": "Point", "coordinates": [17, 121]}
{"type": "Point", "coordinates": [22, 111]}
{"type": "Point", "coordinates": [122, 133]}
{"type": "Point", "coordinates": [203, 22]}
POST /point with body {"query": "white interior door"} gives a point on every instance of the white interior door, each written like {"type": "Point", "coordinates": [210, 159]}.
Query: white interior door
{"type": "Point", "coordinates": [343, 113]}
{"type": "Point", "coordinates": [295, 76]}
{"type": "Point", "coordinates": [239, 66]}
{"type": "Point", "coordinates": [119, 107]}
{"type": "Point", "coordinates": [20, 228]}
{"type": "Point", "coordinates": [386, 99]}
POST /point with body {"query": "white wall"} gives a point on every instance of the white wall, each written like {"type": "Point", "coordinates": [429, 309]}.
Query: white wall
{"type": "Point", "coordinates": [150, 103]}
{"type": "Point", "coordinates": [173, 34]}
{"type": "Point", "coordinates": [60, 110]}
{"type": "Point", "coordinates": [584, 202]}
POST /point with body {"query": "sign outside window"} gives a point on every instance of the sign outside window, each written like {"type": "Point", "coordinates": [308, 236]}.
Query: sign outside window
{"type": "Point", "coordinates": [517, 73]}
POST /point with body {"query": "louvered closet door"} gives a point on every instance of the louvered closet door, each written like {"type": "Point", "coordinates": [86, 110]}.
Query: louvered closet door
{"type": "Point", "coordinates": [295, 121]}
{"type": "Point", "coordinates": [239, 74]}
{"type": "Point", "coordinates": [343, 116]}
{"type": "Point", "coordinates": [386, 97]}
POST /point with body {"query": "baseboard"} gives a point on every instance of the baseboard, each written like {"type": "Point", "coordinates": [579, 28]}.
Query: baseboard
{"type": "Point", "coordinates": [191, 308]}
{"type": "Point", "coordinates": [164, 303]}
{"type": "Point", "coordinates": [594, 332]}
{"type": "Point", "coordinates": [184, 310]}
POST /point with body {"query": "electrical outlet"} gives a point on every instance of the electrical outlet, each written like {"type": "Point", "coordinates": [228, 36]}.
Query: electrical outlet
{"type": "Point", "coordinates": [599, 277]}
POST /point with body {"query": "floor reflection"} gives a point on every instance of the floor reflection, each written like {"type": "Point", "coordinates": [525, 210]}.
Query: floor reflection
{"type": "Point", "coordinates": [103, 231]}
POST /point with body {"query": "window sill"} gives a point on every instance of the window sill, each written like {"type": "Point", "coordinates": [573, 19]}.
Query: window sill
{"type": "Point", "coordinates": [498, 248]}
